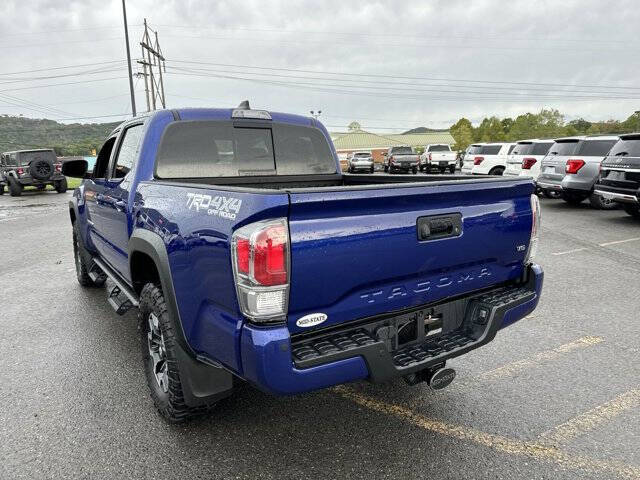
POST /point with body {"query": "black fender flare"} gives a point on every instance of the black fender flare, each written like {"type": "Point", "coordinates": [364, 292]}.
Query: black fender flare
{"type": "Point", "coordinates": [202, 383]}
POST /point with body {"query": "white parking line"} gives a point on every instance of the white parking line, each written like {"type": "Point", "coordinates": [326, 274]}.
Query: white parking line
{"type": "Point", "coordinates": [620, 241]}
{"type": "Point", "coordinates": [11, 219]}
{"type": "Point", "coordinates": [569, 251]}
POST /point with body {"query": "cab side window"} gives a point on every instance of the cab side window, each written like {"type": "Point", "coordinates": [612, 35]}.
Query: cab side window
{"type": "Point", "coordinates": [128, 151]}
{"type": "Point", "coordinates": [102, 161]}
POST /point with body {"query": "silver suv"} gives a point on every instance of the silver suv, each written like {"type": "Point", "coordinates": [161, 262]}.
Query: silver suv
{"type": "Point", "coordinates": [572, 167]}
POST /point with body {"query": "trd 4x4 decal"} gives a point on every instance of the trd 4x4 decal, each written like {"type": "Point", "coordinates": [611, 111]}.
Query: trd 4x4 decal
{"type": "Point", "coordinates": [225, 207]}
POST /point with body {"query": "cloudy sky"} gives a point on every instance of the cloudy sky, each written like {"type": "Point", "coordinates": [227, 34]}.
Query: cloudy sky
{"type": "Point", "coordinates": [391, 65]}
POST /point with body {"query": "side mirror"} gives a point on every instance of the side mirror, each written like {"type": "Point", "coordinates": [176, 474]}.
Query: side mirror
{"type": "Point", "coordinates": [75, 169]}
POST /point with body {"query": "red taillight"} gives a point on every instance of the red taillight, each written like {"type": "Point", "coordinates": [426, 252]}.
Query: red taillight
{"type": "Point", "coordinates": [20, 170]}
{"type": "Point", "coordinates": [430, 157]}
{"type": "Point", "coordinates": [260, 254]}
{"type": "Point", "coordinates": [58, 167]}
{"type": "Point", "coordinates": [574, 165]}
{"type": "Point", "coordinates": [528, 162]}
{"type": "Point", "coordinates": [478, 160]}
{"type": "Point", "coordinates": [243, 252]}
{"type": "Point", "coordinates": [270, 256]}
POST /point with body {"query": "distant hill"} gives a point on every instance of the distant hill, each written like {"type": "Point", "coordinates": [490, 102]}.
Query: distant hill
{"type": "Point", "coordinates": [425, 130]}
{"type": "Point", "coordinates": [18, 133]}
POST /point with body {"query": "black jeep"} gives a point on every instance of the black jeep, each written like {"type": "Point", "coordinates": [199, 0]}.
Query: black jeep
{"type": "Point", "coordinates": [31, 168]}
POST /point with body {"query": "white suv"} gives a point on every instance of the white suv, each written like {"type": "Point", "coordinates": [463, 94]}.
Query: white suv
{"type": "Point", "coordinates": [467, 158]}
{"type": "Point", "coordinates": [492, 158]}
{"type": "Point", "coordinates": [526, 158]}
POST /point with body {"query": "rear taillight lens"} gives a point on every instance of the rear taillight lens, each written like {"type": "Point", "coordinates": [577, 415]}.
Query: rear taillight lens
{"type": "Point", "coordinates": [528, 162]}
{"type": "Point", "coordinates": [260, 255]}
{"type": "Point", "coordinates": [430, 157]}
{"type": "Point", "coordinates": [478, 160]}
{"type": "Point", "coordinates": [58, 167]}
{"type": "Point", "coordinates": [20, 170]}
{"type": "Point", "coordinates": [535, 230]}
{"type": "Point", "coordinates": [574, 165]}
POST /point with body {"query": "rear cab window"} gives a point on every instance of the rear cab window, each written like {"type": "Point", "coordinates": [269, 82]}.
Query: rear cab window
{"type": "Point", "coordinates": [439, 148]}
{"type": "Point", "coordinates": [211, 149]}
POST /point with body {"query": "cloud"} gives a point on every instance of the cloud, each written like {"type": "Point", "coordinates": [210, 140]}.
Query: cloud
{"type": "Point", "coordinates": [463, 47]}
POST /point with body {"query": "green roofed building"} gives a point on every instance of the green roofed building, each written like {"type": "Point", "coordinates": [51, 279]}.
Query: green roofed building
{"type": "Point", "coordinates": [349, 142]}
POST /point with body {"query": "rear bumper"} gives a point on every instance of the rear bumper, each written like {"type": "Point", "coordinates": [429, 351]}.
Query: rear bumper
{"type": "Point", "coordinates": [282, 365]}
{"type": "Point", "coordinates": [617, 194]}
{"type": "Point", "coordinates": [546, 183]}
{"type": "Point", "coordinates": [28, 180]}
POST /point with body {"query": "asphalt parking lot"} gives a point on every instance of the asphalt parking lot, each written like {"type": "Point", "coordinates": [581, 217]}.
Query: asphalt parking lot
{"type": "Point", "coordinates": [555, 396]}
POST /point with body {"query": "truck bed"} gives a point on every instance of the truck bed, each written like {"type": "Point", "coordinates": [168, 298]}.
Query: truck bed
{"type": "Point", "coordinates": [339, 182]}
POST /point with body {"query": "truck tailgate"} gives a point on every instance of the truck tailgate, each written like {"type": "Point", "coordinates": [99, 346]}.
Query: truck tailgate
{"type": "Point", "coordinates": [356, 253]}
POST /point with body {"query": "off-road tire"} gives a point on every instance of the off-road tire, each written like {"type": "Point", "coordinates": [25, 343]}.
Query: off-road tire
{"type": "Point", "coordinates": [452, 169]}
{"type": "Point", "coordinates": [82, 261]}
{"type": "Point", "coordinates": [600, 203]}
{"type": "Point", "coordinates": [61, 185]}
{"type": "Point", "coordinates": [170, 404]}
{"type": "Point", "coordinates": [1, 189]}
{"type": "Point", "coordinates": [496, 171]}
{"type": "Point", "coordinates": [573, 199]}
{"type": "Point", "coordinates": [414, 170]}
{"type": "Point", "coordinates": [386, 169]}
{"type": "Point", "coordinates": [631, 209]}
{"type": "Point", "coordinates": [15, 189]}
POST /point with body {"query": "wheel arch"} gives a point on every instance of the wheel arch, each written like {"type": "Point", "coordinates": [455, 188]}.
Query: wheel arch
{"type": "Point", "coordinates": [201, 383]}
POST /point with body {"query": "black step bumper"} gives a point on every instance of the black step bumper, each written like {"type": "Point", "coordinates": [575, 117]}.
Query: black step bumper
{"type": "Point", "coordinates": [468, 323]}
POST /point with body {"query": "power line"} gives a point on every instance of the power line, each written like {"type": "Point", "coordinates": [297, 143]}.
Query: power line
{"type": "Point", "coordinates": [59, 84]}
{"type": "Point", "coordinates": [59, 30]}
{"type": "Point", "coordinates": [108, 69]}
{"type": "Point", "coordinates": [517, 90]}
{"type": "Point", "coordinates": [397, 35]}
{"type": "Point", "coordinates": [373, 75]}
{"type": "Point", "coordinates": [64, 67]}
{"type": "Point", "coordinates": [330, 89]}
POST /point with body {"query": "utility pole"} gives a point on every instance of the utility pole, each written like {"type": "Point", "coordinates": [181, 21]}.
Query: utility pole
{"type": "Point", "coordinates": [152, 61]}
{"type": "Point", "coordinates": [315, 114]}
{"type": "Point", "coordinates": [126, 38]}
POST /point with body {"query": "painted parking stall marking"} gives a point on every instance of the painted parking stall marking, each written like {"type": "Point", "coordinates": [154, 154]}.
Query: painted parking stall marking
{"type": "Point", "coordinates": [533, 450]}
{"type": "Point", "coordinates": [547, 355]}
{"type": "Point", "coordinates": [590, 420]}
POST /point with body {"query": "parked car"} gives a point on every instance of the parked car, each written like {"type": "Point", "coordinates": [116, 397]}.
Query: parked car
{"type": "Point", "coordinates": [30, 168]}
{"type": "Point", "coordinates": [275, 268]}
{"type": "Point", "coordinates": [401, 159]}
{"type": "Point", "coordinates": [526, 157]}
{"type": "Point", "coordinates": [620, 174]}
{"type": "Point", "coordinates": [360, 162]}
{"type": "Point", "coordinates": [439, 157]}
{"type": "Point", "coordinates": [492, 158]}
{"type": "Point", "coordinates": [469, 155]}
{"type": "Point", "coordinates": [572, 167]}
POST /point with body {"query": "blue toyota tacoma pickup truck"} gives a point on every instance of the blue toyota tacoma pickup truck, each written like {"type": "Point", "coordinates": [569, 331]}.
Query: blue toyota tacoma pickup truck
{"type": "Point", "coordinates": [250, 256]}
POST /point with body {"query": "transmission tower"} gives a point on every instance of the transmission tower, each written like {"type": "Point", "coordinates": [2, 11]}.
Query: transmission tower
{"type": "Point", "coordinates": [152, 68]}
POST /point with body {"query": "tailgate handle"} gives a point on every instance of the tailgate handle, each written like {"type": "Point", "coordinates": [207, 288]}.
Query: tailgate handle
{"type": "Point", "coordinates": [439, 226]}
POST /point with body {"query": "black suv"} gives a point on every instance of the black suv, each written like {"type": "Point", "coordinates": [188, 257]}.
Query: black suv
{"type": "Point", "coordinates": [620, 174]}
{"type": "Point", "coordinates": [31, 168]}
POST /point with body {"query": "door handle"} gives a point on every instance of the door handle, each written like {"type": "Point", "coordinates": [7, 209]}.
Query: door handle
{"type": "Point", "coordinates": [439, 226]}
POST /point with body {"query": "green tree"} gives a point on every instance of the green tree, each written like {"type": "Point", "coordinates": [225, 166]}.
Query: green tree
{"type": "Point", "coordinates": [462, 132]}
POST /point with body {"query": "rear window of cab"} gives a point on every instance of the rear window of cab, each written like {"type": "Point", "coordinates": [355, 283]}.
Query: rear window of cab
{"type": "Point", "coordinates": [210, 149]}
{"type": "Point", "coordinates": [626, 147]}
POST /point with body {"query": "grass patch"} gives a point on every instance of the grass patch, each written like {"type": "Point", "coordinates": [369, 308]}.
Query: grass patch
{"type": "Point", "coordinates": [71, 184]}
